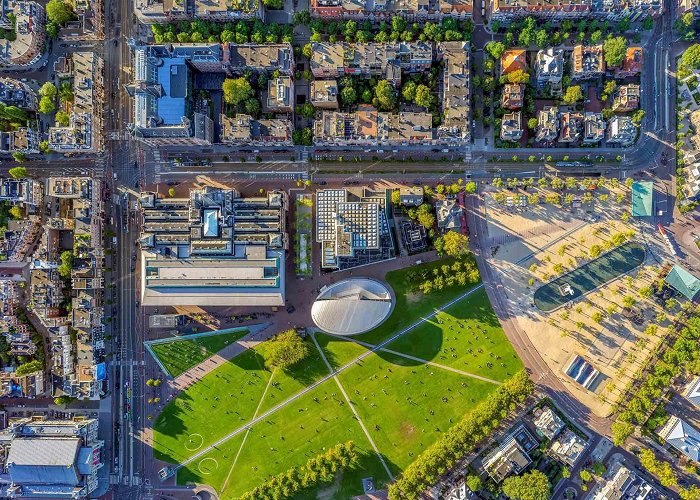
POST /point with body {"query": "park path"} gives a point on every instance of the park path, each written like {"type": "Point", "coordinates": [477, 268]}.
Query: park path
{"type": "Point", "coordinates": [416, 358]}
{"type": "Point", "coordinates": [354, 411]}
{"type": "Point", "coordinates": [202, 452]}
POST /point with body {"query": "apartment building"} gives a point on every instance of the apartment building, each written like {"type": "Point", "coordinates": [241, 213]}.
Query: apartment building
{"type": "Point", "coordinates": [164, 11]}
{"type": "Point", "coordinates": [632, 63]}
{"type": "Point", "coordinates": [367, 126]}
{"type": "Point", "coordinates": [78, 368]}
{"type": "Point", "coordinates": [570, 126]}
{"type": "Point", "coordinates": [626, 98]}
{"type": "Point", "coordinates": [241, 130]}
{"type": "Point", "coordinates": [16, 93]}
{"type": "Point", "coordinates": [593, 127]}
{"type": "Point", "coordinates": [213, 248]}
{"type": "Point", "coordinates": [42, 457]}
{"type": "Point", "coordinates": [621, 131]}
{"type": "Point", "coordinates": [352, 227]}
{"type": "Point", "coordinates": [30, 35]}
{"type": "Point", "coordinates": [513, 60]}
{"type": "Point", "coordinates": [324, 94]}
{"type": "Point", "coordinates": [280, 95]}
{"type": "Point", "coordinates": [682, 436]}
{"type": "Point", "coordinates": [412, 10]}
{"type": "Point", "coordinates": [547, 124]}
{"type": "Point", "coordinates": [23, 140]}
{"type": "Point", "coordinates": [83, 133]}
{"type": "Point", "coordinates": [513, 96]}
{"type": "Point", "coordinates": [456, 93]}
{"type": "Point", "coordinates": [506, 11]}
{"type": "Point", "coordinates": [512, 126]}
{"type": "Point", "coordinates": [262, 58]}
{"type": "Point", "coordinates": [621, 483]}
{"type": "Point", "coordinates": [587, 62]}
{"type": "Point", "coordinates": [549, 68]}
{"type": "Point", "coordinates": [386, 60]}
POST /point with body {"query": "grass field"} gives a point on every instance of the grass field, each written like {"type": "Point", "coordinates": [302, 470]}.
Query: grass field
{"type": "Point", "coordinates": [403, 404]}
{"type": "Point", "coordinates": [181, 354]}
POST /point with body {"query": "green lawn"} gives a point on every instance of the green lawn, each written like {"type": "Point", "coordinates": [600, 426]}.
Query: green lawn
{"type": "Point", "coordinates": [181, 354]}
{"type": "Point", "coordinates": [411, 307]}
{"type": "Point", "coordinates": [456, 338]}
{"type": "Point", "coordinates": [299, 431]}
{"type": "Point", "coordinates": [405, 405]}
{"type": "Point", "coordinates": [406, 408]}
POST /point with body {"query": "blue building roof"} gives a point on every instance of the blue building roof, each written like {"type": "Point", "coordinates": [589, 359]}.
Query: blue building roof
{"type": "Point", "coordinates": [173, 76]}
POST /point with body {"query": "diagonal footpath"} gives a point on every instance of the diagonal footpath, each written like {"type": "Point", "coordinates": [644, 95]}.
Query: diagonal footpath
{"type": "Point", "coordinates": [245, 437]}
{"type": "Point", "coordinates": [311, 387]}
{"type": "Point", "coordinates": [415, 358]}
{"type": "Point", "coordinates": [352, 408]}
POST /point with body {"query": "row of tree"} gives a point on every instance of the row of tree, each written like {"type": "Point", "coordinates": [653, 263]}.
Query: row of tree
{"type": "Point", "coordinates": [666, 475]}
{"type": "Point", "coordinates": [683, 354]}
{"type": "Point", "coordinates": [240, 32]}
{"type": "Point", "coordinates": [318, 470]}
{"type": "Point", "coordinates": [462, 272]}
{"type": "Point", "coordinates": [449, 29]}
{"type": "Point", "coordinates": [461, 439]}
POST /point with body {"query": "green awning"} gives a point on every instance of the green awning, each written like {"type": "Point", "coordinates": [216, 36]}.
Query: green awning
{"type": "Point", "coordinates": [684, 282]}
{"type": "Point", "coordinates": [642, 199]}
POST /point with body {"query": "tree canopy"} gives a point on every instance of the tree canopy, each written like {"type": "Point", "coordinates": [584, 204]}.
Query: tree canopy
{"type": "Point", "coordinates": [573, 94]}
{"type": "Point", "coordinates": [59, 12]}
{"type": "Point", "coordinates": [385, 94]}
{"type": "Point", "coordinates": [284, 350]}
{"type": "Point", "coordinates": [48, 89]}
{"type": "Point", "coordinates": [454, 243]}
{"type": "Point", "coordinates": [615, 50]}
{"type": "Point", "coordinates": [46, 105]}
{"type": "Point", "coordinates": [18, 172]}
{"type": "Point", "coordinates": [691, 57]}
{"type": "Point", "coordinates": [533, 485]}
{"type": "Point", "coordinates": [236, 90]}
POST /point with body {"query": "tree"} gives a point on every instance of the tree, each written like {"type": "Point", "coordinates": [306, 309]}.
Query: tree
{"type": "Point", "coordinates": [425, 216]}
{"type": "Point", "coordinates": [348, 95]}
{"type": "Point", "coordinates": [63, 400]}
{"type": "Point", "coordinates": [171, 192]}
{"type": "Point", "coordinates": [307, 110]}
{"type": "Point", "coordinates": [385, 94]}
{"type": "Point", "coordinates": [16, 212]}
{"type": "Point", "coordinates": [573, 94]}
{"type": "Point", "coordinates": [284, 350]}
{"type": "Point", "coordinates": [273, 4]}
{"type": "Point", "coordinates": [237, 90]}
{"type": "Point", "coordinates": [518, 76]}
{"type": "Point", "coordinates": [30, 367]}
{"type": "Point", "coordinates": [59, 12]}
{"type": "Point", "coordinates": [474, 482]}
{"type": "Point", "coordinates": [533, 485]}
{"type": "Point", "coordinates": [18, 172]}
{"type": "Point", "coordinates": [19, 157]}
{"type": "Point", "coordinates": [408, 91]}
{"type": "Point", "coordinates": [423, 96]}
{"type": "Point", "coordinates": [532, 124]}
{"type": "Point", "coordinates": [470, 187]}
{"type": "Point", "coordinates": [595, 251]}
{"type": "Point", "coordinates": [638, 116]}
{"type": "Point", "coordinates": [62, 118]}
{"type": "Point", "coordinates": [585, 475]}
{"type": "Point", "coordinates": [46, 105]}
{"type": "Point", "coordinates": [455, 243]}
{"type": "Point", "coordinates": [495, 49]}
{"type": "Point", "coordinates": [66, 265]}
{"type": "Point", "coordinates": [396, 197]}
{"type": "Point", "coordinates": [48, 90]}
{"type": "Point", "coordinates": [307, 51]}
{"type": "Point", "coordinates": [615, 50]}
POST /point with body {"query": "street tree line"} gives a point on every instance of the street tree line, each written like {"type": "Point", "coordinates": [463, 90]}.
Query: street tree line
{"type": "Point", "coordinates": [318, 470]}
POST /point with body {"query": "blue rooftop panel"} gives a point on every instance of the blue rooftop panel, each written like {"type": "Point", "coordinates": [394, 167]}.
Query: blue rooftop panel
{"type": "Point", "coordinates": [173, 76]}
